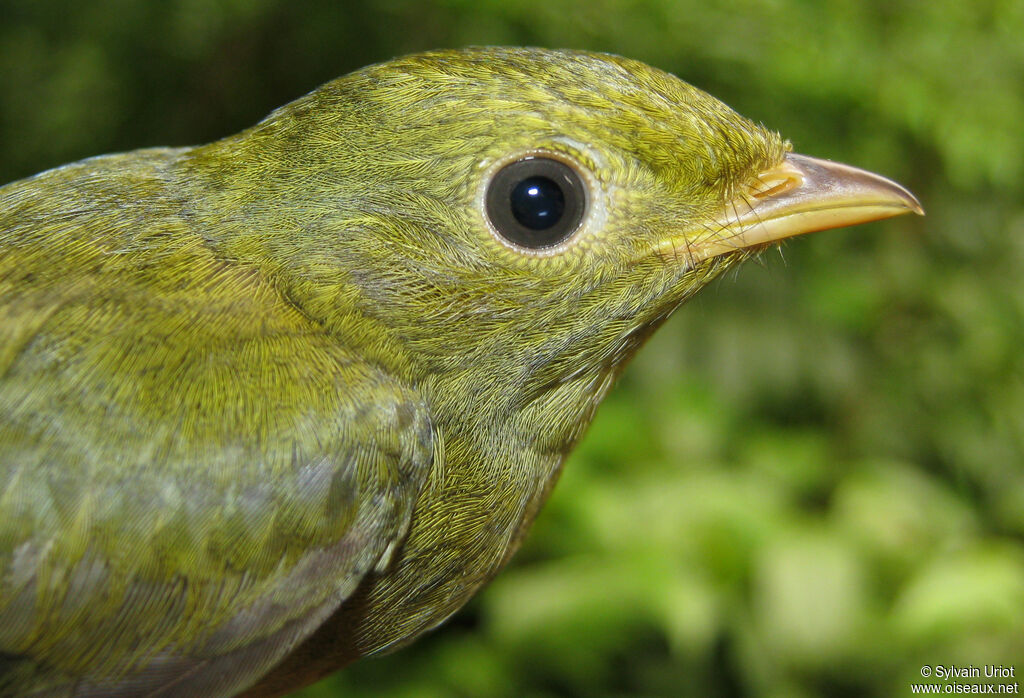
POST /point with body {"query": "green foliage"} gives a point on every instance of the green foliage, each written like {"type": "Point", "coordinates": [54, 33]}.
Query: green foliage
{"type": "Point", "coordinates": [812, 480]}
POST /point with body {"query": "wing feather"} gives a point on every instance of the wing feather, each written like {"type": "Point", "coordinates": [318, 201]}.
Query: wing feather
{"type": "Point", "coordinates": [192, 474]}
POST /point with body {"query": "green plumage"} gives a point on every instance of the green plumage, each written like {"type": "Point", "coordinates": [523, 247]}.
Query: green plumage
{"type": "Point", "coordinates": [285, 400]}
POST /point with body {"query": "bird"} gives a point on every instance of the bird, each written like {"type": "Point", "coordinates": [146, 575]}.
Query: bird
{"type": "Point", "coordinates": [288, 399]}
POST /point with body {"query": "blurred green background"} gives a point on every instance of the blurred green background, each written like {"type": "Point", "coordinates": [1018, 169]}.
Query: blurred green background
{"type": "Point", "coordinates": [811, 482]}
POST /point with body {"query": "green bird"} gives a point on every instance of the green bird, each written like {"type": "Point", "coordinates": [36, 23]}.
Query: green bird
{"type": "Point", "coordinates": [285, 400]}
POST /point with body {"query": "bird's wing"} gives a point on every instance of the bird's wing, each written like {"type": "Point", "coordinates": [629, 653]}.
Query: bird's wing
{"type": "Point", "coordinates": [193, 475]}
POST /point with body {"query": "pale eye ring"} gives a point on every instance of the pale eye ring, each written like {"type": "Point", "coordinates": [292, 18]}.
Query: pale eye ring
{"type": "Point", "coordinates": [536, 202]}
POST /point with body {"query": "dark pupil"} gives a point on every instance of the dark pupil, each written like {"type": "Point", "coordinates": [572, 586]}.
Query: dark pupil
{"type": "Point", "coordinates": [537, 203]}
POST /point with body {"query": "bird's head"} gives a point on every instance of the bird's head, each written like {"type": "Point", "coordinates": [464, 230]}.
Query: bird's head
{"type": "Point", "coordinates": [506, 226]}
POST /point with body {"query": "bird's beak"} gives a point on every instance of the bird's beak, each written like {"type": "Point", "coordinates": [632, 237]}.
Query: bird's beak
{"type": "Point", "coordinates": [801, 195]}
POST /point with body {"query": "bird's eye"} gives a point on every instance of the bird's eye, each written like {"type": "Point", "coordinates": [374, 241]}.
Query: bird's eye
{"type": "Point", "coordinates": [536, 202]}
